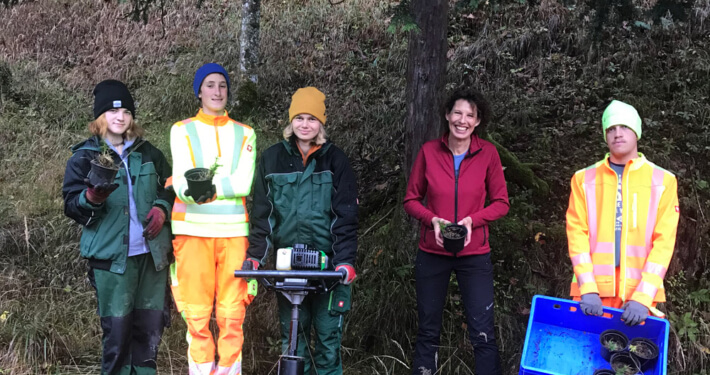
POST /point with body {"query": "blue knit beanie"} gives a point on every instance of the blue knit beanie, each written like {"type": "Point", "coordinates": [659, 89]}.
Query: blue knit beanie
{"type": "Point", "coordinates": [203, 72]}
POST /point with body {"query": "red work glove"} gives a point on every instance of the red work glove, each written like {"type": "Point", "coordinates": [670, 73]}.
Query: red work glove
{"type": "Point", "coordinates": [154, 223]}
{"type": "Point", "coordinates": [348, 273]}
{"type": "Point", "coordinates": [98, 194]}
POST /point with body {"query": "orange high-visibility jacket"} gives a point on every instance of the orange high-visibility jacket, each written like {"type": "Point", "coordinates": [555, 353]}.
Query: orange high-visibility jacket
{"type": "Point", "coordinates": [650, 219]}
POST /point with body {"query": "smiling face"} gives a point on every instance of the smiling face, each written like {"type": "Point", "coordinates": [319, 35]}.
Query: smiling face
{"type": "Point", "coordinates": [622, 142]}
{"type": "Point", "coordinates": [463, 119]}
{"type": "Point", "coordinates": [118, 119]}
{"type": "Point", "coordinates": [213, 94]}
{"type": "Point", "coordinates": [305, 127]}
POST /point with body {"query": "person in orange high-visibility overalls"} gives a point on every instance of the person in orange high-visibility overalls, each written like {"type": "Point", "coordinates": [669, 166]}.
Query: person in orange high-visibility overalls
{"type": "Point", "coordinates": [211, 229]}
{"type": "Point", "coordinates": [621, 224]}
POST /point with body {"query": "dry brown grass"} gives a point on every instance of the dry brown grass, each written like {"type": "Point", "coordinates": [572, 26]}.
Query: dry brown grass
{"type": "Point", "coordinates": [84, 42]}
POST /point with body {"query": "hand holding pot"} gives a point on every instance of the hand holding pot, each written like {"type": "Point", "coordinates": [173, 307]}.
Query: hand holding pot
{"type": "Point", "coordinates": [467, 222]}
{"type": "Point", "coordinates": [98, 194]}
{"type": "Point", "coordinates": [634, 313]}
{"type": "Point", "coordinates": [207, 197]}
{"type": "Point", "coordinates": [436, 222]}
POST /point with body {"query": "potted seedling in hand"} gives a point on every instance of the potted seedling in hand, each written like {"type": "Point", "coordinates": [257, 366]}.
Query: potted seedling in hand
{"type": "Point", "coordinates": [103, 168]}
{"type": "Point", "coordinates": [454, 237]}
{"type": "Point", "coordinates": [199, 183]}
{"type": "Point", "coordinates": [645, 351]}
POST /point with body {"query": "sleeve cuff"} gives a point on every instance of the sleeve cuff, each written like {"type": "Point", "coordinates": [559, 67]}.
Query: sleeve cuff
{"type": "Point", "coordinates": [84, 203]}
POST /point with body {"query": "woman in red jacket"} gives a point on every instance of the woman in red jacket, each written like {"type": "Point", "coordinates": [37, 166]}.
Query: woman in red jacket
{"type": "Point", "coordinates": [454, 175]}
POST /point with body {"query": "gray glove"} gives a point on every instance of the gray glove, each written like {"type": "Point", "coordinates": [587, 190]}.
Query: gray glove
{"type": "Point", "coordinates": [634, 313]}
{"type": "Point", "coordinates": [591, 304]}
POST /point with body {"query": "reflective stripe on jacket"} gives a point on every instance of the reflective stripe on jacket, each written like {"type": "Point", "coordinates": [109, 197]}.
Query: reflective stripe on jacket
{"type": "Point", "coordinates": [201, 141]}
{"type": "Point", "coordinates": [650, 219]}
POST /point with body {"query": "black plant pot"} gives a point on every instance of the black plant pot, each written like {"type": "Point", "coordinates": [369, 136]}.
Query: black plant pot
{"type": "Point", "coordinates": [612, 335]}
{"type": "Point", "coordinates": [604, 372]}
{"type": "Point", "coordinates": [198, 181]}
{"type": "Point", "coordinates": [454, 237]}
{"type": "Point", "coordinates": [99, 174]}
{"type": "Point", "coordinates": [646, 352]}
{"type": "Point", "coordinates": [624, 358]}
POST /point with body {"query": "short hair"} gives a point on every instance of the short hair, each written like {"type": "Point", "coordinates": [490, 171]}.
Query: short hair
{"type": "Point", "coordinates": [100, 127]}
{"type": "Point", "coordinates": [476, 99]}
{"type": "Point", "coordinates": [318, 140]}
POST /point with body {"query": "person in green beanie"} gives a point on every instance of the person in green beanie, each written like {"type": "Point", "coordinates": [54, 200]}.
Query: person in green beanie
{"type": "Point", "coordinates": [621, 224]}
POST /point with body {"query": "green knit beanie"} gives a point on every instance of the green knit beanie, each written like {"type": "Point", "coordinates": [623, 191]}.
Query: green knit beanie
{"type": "Point", "coordinates": [620, 113]}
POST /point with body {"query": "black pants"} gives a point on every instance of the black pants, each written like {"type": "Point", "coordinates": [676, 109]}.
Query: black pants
{"type": "Point", "coordinates": [475, 277]}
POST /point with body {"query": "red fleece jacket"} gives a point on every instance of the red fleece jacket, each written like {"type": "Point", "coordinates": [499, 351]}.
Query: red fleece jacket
{"type": "Point", "coordinates": [433, 180]}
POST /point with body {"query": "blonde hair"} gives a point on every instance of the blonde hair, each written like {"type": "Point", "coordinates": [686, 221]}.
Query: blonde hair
{"type": "Point", "coordinates": [100, 127]}
{"type": "Point", "coordinates": [318, 140]}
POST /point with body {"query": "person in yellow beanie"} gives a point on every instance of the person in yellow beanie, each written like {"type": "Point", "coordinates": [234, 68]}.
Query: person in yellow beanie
{"type": "Point", "coordinates": [305, 193]}
{"type": "Point", "coordinates": [621, 224]}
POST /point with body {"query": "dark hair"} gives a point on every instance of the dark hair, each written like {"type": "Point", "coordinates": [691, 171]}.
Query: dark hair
{"type": "Point", "coordinates": [474, 98]}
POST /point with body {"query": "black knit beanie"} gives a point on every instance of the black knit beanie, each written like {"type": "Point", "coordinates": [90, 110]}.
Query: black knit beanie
{"type": "Point", "coordinates": [110, 94]}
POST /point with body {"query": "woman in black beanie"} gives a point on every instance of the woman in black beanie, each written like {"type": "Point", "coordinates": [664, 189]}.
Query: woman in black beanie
{"type": "Point", "coordinates": [124, 235]}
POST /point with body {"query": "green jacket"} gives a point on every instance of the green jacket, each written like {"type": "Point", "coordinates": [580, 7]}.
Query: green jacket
{"type": "Point", "coordinates": [104, 238]}
{"type": "Point", "coordinates": [314, 205]}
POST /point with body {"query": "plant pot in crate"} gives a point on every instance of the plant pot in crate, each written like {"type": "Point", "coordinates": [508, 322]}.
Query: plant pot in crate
{"type": "Point", "coordinates": [612, 341]}
{"type": "Point", "coordinates": [624, 364]}
{"type": "Point", "coordinates": [199, 181]}
{"type": "Point", "coordinates": [100, 174]}
{"type": "Point", "coordinates": [644, 351]}
{"type": "Point", "coordinates": [454, 237]}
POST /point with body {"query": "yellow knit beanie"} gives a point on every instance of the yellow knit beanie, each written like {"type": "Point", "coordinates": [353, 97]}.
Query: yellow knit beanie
{"type": "Point", "coordinates": [308, 100]}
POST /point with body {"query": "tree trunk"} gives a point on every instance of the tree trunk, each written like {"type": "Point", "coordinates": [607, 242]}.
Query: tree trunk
{"type": "Point", "coordinates": [426, 73]}
{"type": "Point", "coordinates": [249, 40]}
{"type": "Point", "coordinates": [247, 95]}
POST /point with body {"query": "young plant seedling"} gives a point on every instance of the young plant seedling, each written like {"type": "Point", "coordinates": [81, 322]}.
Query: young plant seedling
{"type": "Point", "coordinates": [442, 225]}
{"type": "Point", "coordinates": [213, 168]}
{"type": "Point", "coordinates": [104, 159]}
{"type": "Point", "coordinates": [207, 175]}
{"type": "Point", "coordinates": [625, 370]}
{"type": "Point", "coordinates": [612, 345]}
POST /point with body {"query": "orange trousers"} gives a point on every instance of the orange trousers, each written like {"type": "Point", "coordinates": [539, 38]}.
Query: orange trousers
{"type": "Point", "coordinates": [202, 277]}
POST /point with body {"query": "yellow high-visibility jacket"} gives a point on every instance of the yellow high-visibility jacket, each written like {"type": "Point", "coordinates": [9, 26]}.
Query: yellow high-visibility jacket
{"type": "Point", "coordinates": [650, 220]}
{"type": "Point", "coordinates": [198, 142]}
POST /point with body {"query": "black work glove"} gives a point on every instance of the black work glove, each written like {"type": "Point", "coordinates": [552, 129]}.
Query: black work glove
{"type": "Point", "coordinates": [209, 196]}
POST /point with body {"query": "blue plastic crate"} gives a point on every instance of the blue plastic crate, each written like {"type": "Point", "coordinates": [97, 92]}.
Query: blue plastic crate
{"type": "Point", "coordinates": [561, 340]}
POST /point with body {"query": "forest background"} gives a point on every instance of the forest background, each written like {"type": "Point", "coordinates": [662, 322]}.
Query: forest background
{"type": "Point", "coordinates": [548, 67]}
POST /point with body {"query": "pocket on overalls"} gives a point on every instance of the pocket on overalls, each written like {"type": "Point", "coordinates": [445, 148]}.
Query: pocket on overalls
{"type": "Point", "coordinates": [340, 300]}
